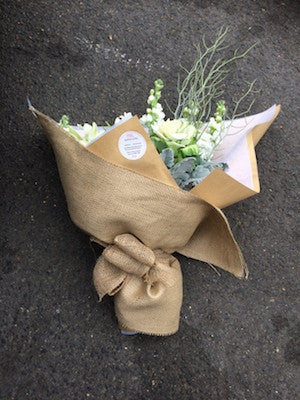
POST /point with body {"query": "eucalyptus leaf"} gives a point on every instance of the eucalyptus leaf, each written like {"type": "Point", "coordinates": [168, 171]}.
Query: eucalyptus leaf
{"type": "Point", "coordinates": [200, 172]}
{"type": "Point", "coordinates": [167, 156]}
{"type": "Point", "coordinates": [182, 170]}
{"type": "Point", "coordinates": [212, 165]}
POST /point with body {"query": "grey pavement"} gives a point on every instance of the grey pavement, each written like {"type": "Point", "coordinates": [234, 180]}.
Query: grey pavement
{"type": "Point", "coordinates": [238, 340]}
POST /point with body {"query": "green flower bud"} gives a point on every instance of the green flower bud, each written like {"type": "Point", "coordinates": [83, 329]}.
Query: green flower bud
{"type": "Point", "coordinates": [159, 84]}
{"type": "Point", "coordinates": [64, 122]}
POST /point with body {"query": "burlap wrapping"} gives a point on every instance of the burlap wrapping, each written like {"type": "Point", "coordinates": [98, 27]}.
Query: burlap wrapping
{"type": "Point", "coordinates": [145, 283]}
{"type": "Point", "coordinates": [106, 200]}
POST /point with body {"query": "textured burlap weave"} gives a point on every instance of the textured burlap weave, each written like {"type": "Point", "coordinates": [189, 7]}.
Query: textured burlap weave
{"type": "Point", "coordinates": [146, 284]}
{"type": "Point", "coordinates": [106, 200]}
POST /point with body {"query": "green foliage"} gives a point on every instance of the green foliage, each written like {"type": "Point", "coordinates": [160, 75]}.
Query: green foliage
{"type": "Point", "coordinates": [182, 171]}
{"type": "Point", "coordinates": [64, 121]}
{"type": "Point", "coordinates": [167, 156]}
{"type": "Point", "coordinates": [189, 171]}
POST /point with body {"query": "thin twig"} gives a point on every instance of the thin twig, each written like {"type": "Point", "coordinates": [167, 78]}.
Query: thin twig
{"type": "Point", "coordinates": [215, 269]}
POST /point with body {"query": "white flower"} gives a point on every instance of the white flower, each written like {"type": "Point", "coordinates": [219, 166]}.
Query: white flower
{"type": "Point", "coordinates": [123, 117]}
{"type": "Point", "coordinates": [174, 130]}
{"type": "Point", "coordinates": [87, 131]}
{"type": "Point", "coordinates": [214, 124]}
{"type": "Point", "coordinates": [209, 138]}
{"type": "Point", "coordinates": [158, 112]}
{"type": "Point", "coordinates": [146, 118]}
{"type": "Point", "coordinates": [205, 149]}
{"type": "Point", "coordinates": [158, 108]}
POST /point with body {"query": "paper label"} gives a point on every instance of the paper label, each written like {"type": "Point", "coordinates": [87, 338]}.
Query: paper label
{"type": "Point", "coordinates": [132, 145]}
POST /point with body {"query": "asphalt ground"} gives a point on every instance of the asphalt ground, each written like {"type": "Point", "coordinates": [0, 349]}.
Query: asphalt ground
{"type": "Point", "coordinates": [93, 60]}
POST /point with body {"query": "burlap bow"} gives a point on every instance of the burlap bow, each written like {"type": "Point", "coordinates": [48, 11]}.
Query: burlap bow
{"type": "Point", "coordinates": [147, 285]}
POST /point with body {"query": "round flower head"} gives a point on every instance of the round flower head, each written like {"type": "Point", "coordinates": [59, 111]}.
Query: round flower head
{"type": "Point", "coordinates": [176, 130]}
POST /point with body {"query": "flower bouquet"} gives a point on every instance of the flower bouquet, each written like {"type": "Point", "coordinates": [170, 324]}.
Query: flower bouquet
{"type": "Point", "coordinates": [147, 187]}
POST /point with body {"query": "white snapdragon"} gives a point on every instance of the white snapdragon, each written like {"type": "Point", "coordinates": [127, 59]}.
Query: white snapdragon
{"type": "Point", "coordinates": [158, 112]}
{"type": "Point", "coordinates": [209, 137]}
{"type": "Point", "coordinates": [154, 113]}
{"type": "Point", "coordinates": [213, 124]}
{"type": "Point", "coordinates": [146, 118]}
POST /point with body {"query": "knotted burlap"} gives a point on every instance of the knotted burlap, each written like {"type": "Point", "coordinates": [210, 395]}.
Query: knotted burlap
{"type": "Point", "coordinates": [106, 200]}
{"type": "Point", "coordinates": [145, 283]}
